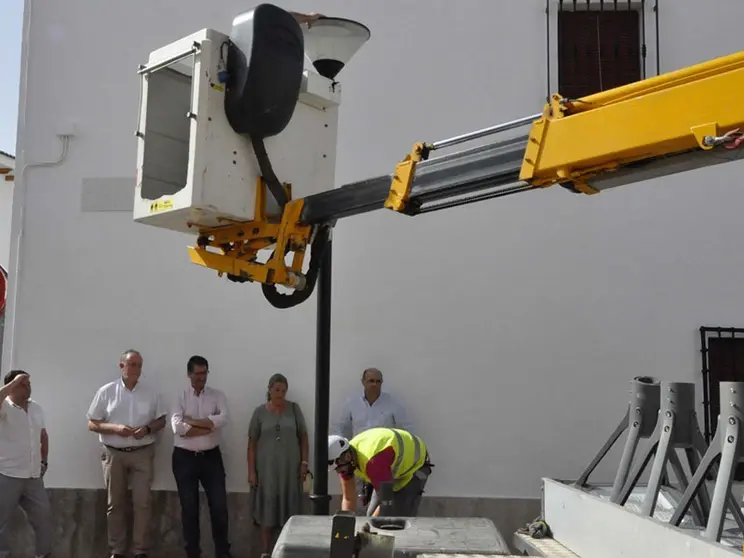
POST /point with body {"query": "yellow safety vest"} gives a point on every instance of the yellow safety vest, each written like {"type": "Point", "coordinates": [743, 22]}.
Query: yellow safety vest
{"type": "Point", "coordinates": [410, 453]}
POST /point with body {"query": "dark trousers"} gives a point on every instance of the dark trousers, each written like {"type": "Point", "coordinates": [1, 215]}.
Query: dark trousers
{"type": "Point", "coordinates": [406, 501]}
{"type": "Point", "coordinates": [206, 467]}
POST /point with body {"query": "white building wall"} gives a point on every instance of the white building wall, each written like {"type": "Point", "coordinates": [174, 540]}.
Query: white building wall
{"type": "Point", "coordinates": [511, 328]}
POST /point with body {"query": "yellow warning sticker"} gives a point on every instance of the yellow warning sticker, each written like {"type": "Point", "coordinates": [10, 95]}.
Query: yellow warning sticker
{"type": "Point", "coordinates": [161, 205]}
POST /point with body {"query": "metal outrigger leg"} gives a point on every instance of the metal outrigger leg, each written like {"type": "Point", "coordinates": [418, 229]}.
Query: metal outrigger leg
{"type": "Point", "coordinates": [677, 428]}
{"type": "Point", "coordinates": [640, 418]}
{"type": "Point", "coordinates": [727, 445]}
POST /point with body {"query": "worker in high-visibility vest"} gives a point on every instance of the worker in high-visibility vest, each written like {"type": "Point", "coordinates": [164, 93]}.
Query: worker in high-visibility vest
{"type": "Point", "coordinates": [381, 455]}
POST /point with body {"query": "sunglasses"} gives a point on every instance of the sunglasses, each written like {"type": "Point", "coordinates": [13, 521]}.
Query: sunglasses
{"type": "Point", "coordinates": [336, 463]}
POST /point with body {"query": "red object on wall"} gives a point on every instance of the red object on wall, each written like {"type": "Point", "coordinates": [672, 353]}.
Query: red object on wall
{"type": "Point", "coordinates": [3, 289]}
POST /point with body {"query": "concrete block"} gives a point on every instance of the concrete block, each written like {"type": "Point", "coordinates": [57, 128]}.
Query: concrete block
{"type": "Point", "coordinates": [80, 522]}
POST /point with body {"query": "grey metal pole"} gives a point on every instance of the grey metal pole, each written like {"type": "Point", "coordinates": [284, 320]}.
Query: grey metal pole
{"type": "Point", "coordinates": [726, 444]}
{"type": "Point", "coordinates": [386, 499]}
{"type": "Point", "coordinates": [643, 414]}
{"type": "Point", "coordinates": [675, 427]}
{"type": "Point", "coordinates": [730, 428]}
{"type": "Point", "coordinates": [604, 450]}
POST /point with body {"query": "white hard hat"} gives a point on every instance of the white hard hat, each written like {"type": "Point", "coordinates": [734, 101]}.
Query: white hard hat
{"type": "Point", "coordinates": [336, 446]}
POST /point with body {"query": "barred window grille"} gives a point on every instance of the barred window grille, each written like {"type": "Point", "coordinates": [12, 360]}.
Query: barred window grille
{"type": "Point", "coordinates": [722, 351]}
{"type": "Point", "coordinates": [600, 46]}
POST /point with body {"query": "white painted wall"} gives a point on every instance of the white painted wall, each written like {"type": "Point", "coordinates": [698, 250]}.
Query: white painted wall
{"type": "Point", "coordinates": [511, 328]}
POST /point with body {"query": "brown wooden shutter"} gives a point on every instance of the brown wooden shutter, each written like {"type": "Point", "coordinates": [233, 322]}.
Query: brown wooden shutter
{"type": "Point", "coordinates": [597, 51]}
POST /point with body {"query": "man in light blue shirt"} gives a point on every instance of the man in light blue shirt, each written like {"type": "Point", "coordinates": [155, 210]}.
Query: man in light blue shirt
{"type": "Point", "coordinates": [371, 409]}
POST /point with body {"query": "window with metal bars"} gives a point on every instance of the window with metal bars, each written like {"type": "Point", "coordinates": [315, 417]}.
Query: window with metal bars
{"type": "Point", "coordinates": [722, 351]}
{"type": "Point", "coordinates": [598, 49]}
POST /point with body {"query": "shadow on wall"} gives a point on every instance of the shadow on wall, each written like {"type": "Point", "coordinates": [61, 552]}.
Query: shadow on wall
{"type": "Point", "coordinates": [3, 295]}
{"type": "Point", "coordinates": [3, 300]}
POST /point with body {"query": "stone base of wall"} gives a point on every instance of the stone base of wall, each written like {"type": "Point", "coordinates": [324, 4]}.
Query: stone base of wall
{"type": "Point", "coordinates": [80, 522]}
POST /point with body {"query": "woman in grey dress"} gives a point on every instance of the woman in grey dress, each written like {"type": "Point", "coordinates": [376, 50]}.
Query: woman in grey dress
{"type": "Point", "coordinates": [277, 460]}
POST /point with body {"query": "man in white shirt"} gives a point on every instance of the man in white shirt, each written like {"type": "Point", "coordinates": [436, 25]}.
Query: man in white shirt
{"type": "Point", "coordinates": [373, 408]}
{"type": "Point", "coordinates": [126, 414]}
{"type": "Point", "coordinates": [23, 460]}
{"type": "Point", "coordinates": [199, 413]}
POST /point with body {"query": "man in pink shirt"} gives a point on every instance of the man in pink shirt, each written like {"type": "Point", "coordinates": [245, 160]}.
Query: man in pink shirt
{"type": "Point", "coordinates": [199, 413]}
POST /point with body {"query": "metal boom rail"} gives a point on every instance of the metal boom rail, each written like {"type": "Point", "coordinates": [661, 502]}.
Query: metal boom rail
{"type": "Point", "coordinates": [488, 169]}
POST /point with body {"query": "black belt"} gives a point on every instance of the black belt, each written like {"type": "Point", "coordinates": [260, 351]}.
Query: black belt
{"type": "Point", "coordinates": [128, 448]}
{"type": "Point", "coordinates": [197, 452]}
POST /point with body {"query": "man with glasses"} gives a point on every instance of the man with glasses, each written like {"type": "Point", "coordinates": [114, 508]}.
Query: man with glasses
{"type": "Point", "coordinates": [199, 413]}
{"type": "Point", "coordinates": [380, 455]}
{"type": "Point", "coordinates": [372, 409]}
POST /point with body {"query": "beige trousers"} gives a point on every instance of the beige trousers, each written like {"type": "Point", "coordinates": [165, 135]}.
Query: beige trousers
{"type": "Point", "coordinates": [123, 470]}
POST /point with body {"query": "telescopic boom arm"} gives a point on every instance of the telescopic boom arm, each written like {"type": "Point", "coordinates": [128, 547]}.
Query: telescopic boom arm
{"type": "Point", "coordinates": [663, 125]}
